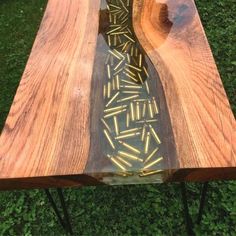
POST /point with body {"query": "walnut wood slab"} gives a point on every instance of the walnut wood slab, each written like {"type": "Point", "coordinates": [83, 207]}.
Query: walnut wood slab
{"type": "Point", "coordinates": [46, 141]}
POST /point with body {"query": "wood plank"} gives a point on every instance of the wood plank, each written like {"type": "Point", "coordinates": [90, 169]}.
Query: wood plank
{"type": "Point", "coordinates": [203, 124]}
{"type": "Point", "coordinates": [47, 129]}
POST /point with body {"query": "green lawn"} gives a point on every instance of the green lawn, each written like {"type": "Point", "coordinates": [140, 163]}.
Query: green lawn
{"type": "Point", "coordinates": [126, 210]}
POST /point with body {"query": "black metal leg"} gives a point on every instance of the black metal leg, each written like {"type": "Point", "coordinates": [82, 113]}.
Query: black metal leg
{"type": "Point", "coordinates": [188, 218]}
{"type": "Point", "coordinates": [64, 221]}
{"type": "Point", "coordinates": [202, 202]}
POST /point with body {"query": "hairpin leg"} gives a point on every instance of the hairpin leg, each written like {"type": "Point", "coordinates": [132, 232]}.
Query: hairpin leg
{"type": "Point", "coordinates": [64, 220]}
{"type": "Point", "coordinates": [202, 202]}
{"type": "Point", "coordinates": [188, 218]}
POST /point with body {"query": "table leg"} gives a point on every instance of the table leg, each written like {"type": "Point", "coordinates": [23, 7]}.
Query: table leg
{"type": "Point", "coordinates": [64, 220]}
{"type": "Point", "coordinates": [188, 218]}
{"type": "Point", "coordinates": [202, 202]}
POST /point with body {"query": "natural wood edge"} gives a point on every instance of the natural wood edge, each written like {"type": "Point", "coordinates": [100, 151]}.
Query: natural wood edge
{"type": "Point", "coordinates": [48, 182]}
{"type": "Point", "coordinates": [202, 175]}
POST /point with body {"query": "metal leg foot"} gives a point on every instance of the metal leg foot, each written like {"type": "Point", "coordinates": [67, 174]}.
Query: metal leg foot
{"type": "Point", "coordinates": [64, 221]}
{"type": "Point", "coordinates": [188, 218]}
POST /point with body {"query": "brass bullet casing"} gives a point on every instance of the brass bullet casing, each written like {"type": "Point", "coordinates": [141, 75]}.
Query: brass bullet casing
{"type": "Point", "coordinates": [112, 61]}
{"type": "Point", "coordinates": [126, 19]}
{"type": "Point", "coordinates": [118, 71]}
{"type": "Point", "coordinates": [116, 125]}
{"type": "Point", "coordinates": [119, 38]}
{"type": "Point", "coordinates": [118, 33]}
{"type": "Point", "coordinates": [127, 120]}
{"type": "Point", "coordinates": [131, 76]}
{"type": "Point", "coordinates": [106, 125]}
{"type": "Point", "coordinates": [143, 132]}
{"type": "Point", "coordinates": [129, 135]}
{"type": "Point", "coordinates": [115, 37]}
{"type": "Point", "coordinates": [113, 54]}
{"type": "Point", "coordinates": [128, 98]}
{"type": "Point", "coordinates": [147, 87]}
{"type": "Point", "coordinates": [153, 163]}
{"type": "Point", "coordinates": [109, 40]}
{"type": "Point", "coordinates": [151, 155]}
{"type": "Point", "coordinates": [128, 58]}
{"type": "Point", "coordinates": [131, 86]}
{"type": "Point", "coordinates": [113, 84]}
{"type": "Point", "coordinates": [156, 110]}
{"type": "Point", "coordinates": [132, 111]}
{"type": "Point", "coordinates": [114, 113]}
{"type": "Point", "coordinates": [128, 82]}
{"type": "Point", "coordinates": [154, 134]}
{"type": "Point", "coordinates": [130, 130]}
{"type": "Point", "coordinates": [129, 147]}
{"type": "Point", "coordinates": [136, 52]}
{"type": "Point", "coordinates": [129, 38]}
{"type": "Point", "coordinates": [108, 89]}
{"type": "Point", "coordinates": [137, 111]}
{"type": "Point", "coordinates": [140, 60]}
{"type": "Point", "coordinates": [107, 59]}
{"type": "Point", "coordinates": [117, 82]}
{"type": "Point", "coordinates": [145, 71]}
{"type": "Point", "coordinates": [125, 46]}
{"type": "Point", "coordinates": [150, 109]}
{"type": "Point", "coordinates": [131, 92]}
{"type": "Point", "coordinates": [147, 143]}
{"type": "Point", "coordinates": [140, 78]}
{"type": "Point", "coordinates": [113, 30]}
{"type": "Point", "coordinates": [116, 162]}
{"type": "Point", "coordinates": [109, 138]}
{"type": "Point", "coordinates": [118, 65]}
{"type": "Point", "coordinates": [119, 54]}
{"type": "Point", "coordinates": [140, 100]}
{"type": "Point", "coordinates": [133, 67]}
{"type": "Point", "coordinates": [124, 161]}
{"type": "Point", "coordinates": [129, 71]}
{"type": "Point", "coordinates": [112, 109]}
{"type": "Point", "coordinates": [112, 99]}
{"type": "Point", "coordinates": [112, 5]}
{"type": "Point", "coordinates": [146, 121]}
{"type": "Point", "coordinates": [104, 91]}
{"type": "Point", "coordinates": [130, 156]}
{"type": "Point", "coordinates": [148, 173]}
{"type": "Point", "coordinates": [144, 109]}
{"type": "Point", "coordinates": [109, 71]}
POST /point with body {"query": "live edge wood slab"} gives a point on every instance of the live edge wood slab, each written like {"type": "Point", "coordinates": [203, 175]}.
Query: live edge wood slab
{"type": "Point", "coordinates": [46, 141]}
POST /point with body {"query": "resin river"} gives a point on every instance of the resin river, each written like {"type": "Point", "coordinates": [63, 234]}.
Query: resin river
{"type": "Point", "coordinates": [130, 126]}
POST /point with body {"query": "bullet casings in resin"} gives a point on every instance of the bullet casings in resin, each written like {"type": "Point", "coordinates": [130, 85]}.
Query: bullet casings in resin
{"type": "Point", "coordinates": [109, 139]}
{"type": "Point", "coordinates": [128, 155]}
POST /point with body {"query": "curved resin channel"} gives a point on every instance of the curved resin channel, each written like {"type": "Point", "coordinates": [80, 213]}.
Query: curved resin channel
{"type": "Point", "coordinates": [131, 135]}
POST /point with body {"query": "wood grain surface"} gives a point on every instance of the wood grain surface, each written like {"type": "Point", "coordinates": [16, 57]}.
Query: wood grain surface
{"type": "Point", "coordinates": [47, 130]}
{"type": "Point", "coordinates": [172, 35]}
{"type": "Point", "coordinates": [46, 141]}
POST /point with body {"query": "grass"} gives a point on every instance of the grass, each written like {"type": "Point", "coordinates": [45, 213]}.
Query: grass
{"type": "Point", "coordinates": [123, 210]}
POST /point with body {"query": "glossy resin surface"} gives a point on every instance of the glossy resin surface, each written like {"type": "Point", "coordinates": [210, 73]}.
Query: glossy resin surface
{"type": "Point", "coordinates": [131, 129]}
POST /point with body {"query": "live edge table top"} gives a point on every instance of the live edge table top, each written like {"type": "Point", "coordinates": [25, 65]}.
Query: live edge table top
{"type": "Point", "coordinates": [118, 92]}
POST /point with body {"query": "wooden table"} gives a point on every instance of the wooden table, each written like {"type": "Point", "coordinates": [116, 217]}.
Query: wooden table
{"type": "Point", "coordinates": [128, 93]}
